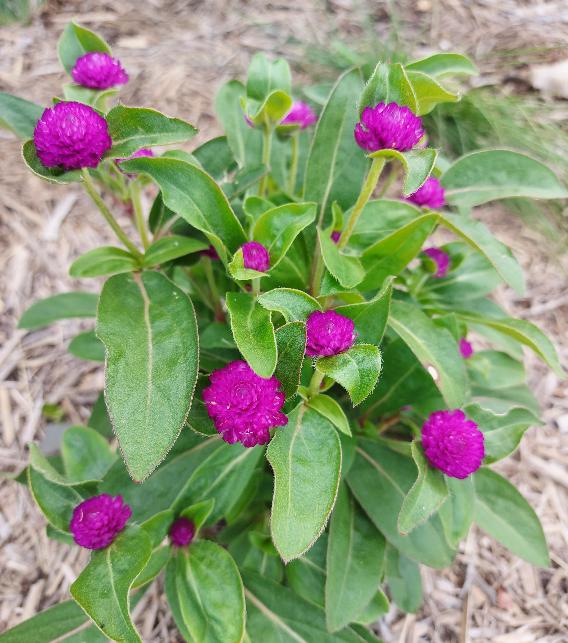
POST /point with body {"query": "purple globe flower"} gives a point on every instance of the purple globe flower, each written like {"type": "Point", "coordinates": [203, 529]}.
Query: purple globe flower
{"type": "Point", "coordinates": [71, 135]}
{"type": "Point", "coordinates": [328, 333]}
{"type": "Point", "coordinates": [98, 70]}
{"type": "Point", "coordinates": [182, 532]}
{"type": "Point", "coordinates": [466, 349]}
{"type": "Point", "coordinates": [300, 114]}
{"type": "Point", "coordinates": [452, 443]}
{"type": "Point", "coordinates": [336, 236]}
{"type": "Point", "coordinates": [255, 256]}
{"type": "Point", "coordinates": [429, 195]}
{"type": "Point", "coordinates": [389, 126]}
{"type": "Point", "coordinates": [441, 259]}
{"type": "Point", "coordinates": [97, 521]}
{"type": "Point", "coordinates": [243, 405]}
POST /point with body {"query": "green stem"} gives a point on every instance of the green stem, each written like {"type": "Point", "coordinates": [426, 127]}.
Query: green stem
{"type": "Point", "coordinates": [256, 286]}
{"type": "Point", "coordinates": [266, 147]}
{"type": "Point", "coordinates": [315, 383]}
{"type": "Point", "coordinates": [138, 213]}
{"type": "Point", "coordinates": [293, 163]}
{"type": "Point", "coordinates": [208, 269]}
{"type": "Point", "coordinates": [113, 223]}
{"type": "Point", "coordinates": [365, 194]}
{"type": "Point", "coordinates": [391, 178]}
{"type": "Point", "coordinates": [317, 270]}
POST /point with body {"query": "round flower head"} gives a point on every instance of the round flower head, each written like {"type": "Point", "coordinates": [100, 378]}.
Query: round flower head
{"type": "Point", "coordinates": [466, 349]}
{"type": "Point", "coordinates": [71, 135]}
{"type": "Point", "coordinates": [182, 532]}
{"type": "Point", "coordinates": [452, 443]}
{"type": "Point", "coordinates": [328, 333]}
{"type": "Point", "coordinates": [255, 256]}
{"type": "Point", "coordinates": [385, 127]}
{"type": "Point", "coordinates": [441, 259]}
{"type": "Point", "coordinates": [97, 521]}
{"type": "Point", "coordinates": [300, 114]}
{"type": "Point", "coordinates": [336, 236]}
{"type": "Point", "coordinates": [243, 405]}
{"type": "Point", "coordinates": [98, 70]}
{"type": "Point", "coordinates": [429, 195]}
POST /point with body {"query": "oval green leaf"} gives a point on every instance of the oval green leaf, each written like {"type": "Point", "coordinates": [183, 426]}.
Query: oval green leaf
{"type": "Point", "coordinates": [106, 260]}
{"type": "Point", "coordinates": [67, 305]}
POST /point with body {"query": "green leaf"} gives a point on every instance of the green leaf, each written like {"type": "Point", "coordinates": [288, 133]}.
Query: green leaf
{"type": "Point", "coordinates": [433, 346]}
{"type": "Point", "coordinates": [95, 98]}
{"type": "Point", "coordinates": [51, 174]}
{"type": "Point", "coordinates": [457, 512]}
{"type": "Point", "coordinates": [75, 41]}
{"type": "Point", "coordinates": [277, 228]}
{"type": "Point", "coordinates": [480, 238]}
{"type": "Point", "coordinates": [238, 271]}
{"type": "Point", "coordinates": [440, 64]}
{"type": "Point", "coordinates": [375, 609]}
{"type": "Point", "coordinates": [426, 495]}
{"type": "Point", "coordinates": [205, 591]}
{"type": "Point", "coordinates": [331, 410]}
{"type": "Point", "coordinates": [495, 369]}
{"type": "Point", "coordinates": [149, 329]}
{"type": "Point", "coordinates": [253, 332]}
{"type": "Point", "coordinates": [524, 332]}
{"type": "Point", "coordinates": [294, 305]}
{"type": "Point", "coordinates": [86, 454]}
{"type": "Point", "coordinates": [55, 501]}
{"type": "Point", "coordinates": [488, 175]}
{"type": "Point", "coordinates": [157, 561]}
{"type": "Point", "coordinates": [47, 626]}
{"type": "Point", "coordinates": [390, 255]}
{"type": "Point", "coordinates": [106, 260]}
{"type": "Point", "coordinates": [244, 179]}
{"type": "Point", "coordinates": [132, 128]}
{"type": "Point", "coordinates": [158, 526]}
{"type": "Point", "coordinates": [215, 156]}
{"type": "Point", "coordinates": [276, 613]}
{"type": "Point", "coordinates": [265, 76]}
{"type": "Point", "coordinates": [417, 165]}
{"type": "Point", "coordinates": [357, 370]}
{"type": "Point", "coordinates": [504, 514]}
{"type": "Point", "coordinates": [272, 110]}
{"type": "Point", "coordinates": [291, 343]}
{"type": "Point", "coordinates": [244, 141]}
{"type": "Point", "coordinates": [429, 92]}
{"type": "Point", "coordinates": [379, 472]}
{"type": "Point", "coordinates": [19, 115]}
{"type": "Point", "coordinates": [306, 459]}
{"type": "Point", "coordinates": [503, 432]}
{"type": "Point", "coordinates": [346, 269]}
{"type": "Point", "coordinates": [102, 588]}
{"type": "Point", "coordinates": [306, 575]}
{"type": "Point", "coordinates": [195, 196]}
{"type": "Point", "coordinates": [87, 346]}
{"type": "Point", "coordinates": [336, 166]}
{"type": "Point", "coordinates": [371, 316]}
{"type": "Point", "coordinates": [64, 306]}
{"type": "Point", "coordinates": [170, 248]}
{"type": "Point", "coordinates": [388, 83]}
{"type": "Point", "coordinates": [403, 578]}
{"type": "Point", "coordinates": [199, 512]}
{"type": "Point", "coordinates": [355, 554]}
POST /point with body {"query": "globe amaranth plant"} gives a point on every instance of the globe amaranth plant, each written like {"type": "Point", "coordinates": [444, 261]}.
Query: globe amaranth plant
{"type": "Point", "coordinates": [306, 392]}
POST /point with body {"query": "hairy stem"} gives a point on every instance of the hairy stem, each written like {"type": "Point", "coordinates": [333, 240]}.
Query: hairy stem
{"type": "Point", "coordinates": [294, 141]}
{"type": "Point", "coordinates": [365, 194]}
{"type": "Point", "coordinates": [266, 147]}
{"type": "Point", "coordinates": [113, 223]}
{"type": "Point", "coordinates": [315, 383]}
{"type": "Point", "coordinates": [138, 213]}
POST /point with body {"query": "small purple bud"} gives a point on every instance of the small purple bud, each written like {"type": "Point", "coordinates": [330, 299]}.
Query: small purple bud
{"type": "Point", "coordinates": [97, 521]}
{"type": "Point", "coordinates": [466, 349]}
{"type": "Point", "coordinates": [182, 532]}
{"type": "Point", "coordinates": [98, 70]}
{"type": "Point", "coordinates": [429, 195]}
{"type": "Point", "coordinates": [441, 259]}
{"type": "Point", "coordinates": [255, 256]}
{"type": "Point", "coordinates": [336, 236]}
{"type": "Point", "coordinates": [211, 253]}
{"type": "Point", "coordinates": [328, 333]}
{"type": "Point", "coordinates": [300, 114]}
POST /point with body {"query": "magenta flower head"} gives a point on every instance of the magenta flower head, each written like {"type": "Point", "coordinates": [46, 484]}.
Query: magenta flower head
{"type": "Point", "coordinates": [182, 532]}
{"type": "Point", "coordinates": [98, 70]}
{"type": "Point", "coordinates": [452, 443]}
{"type": "Point", "coordinates": [97, 521]}
{"type": "Point", "coordinates": [71, 135]}
{"type": "Point", "coordinates": [243, 405]}
{"type": "Point", "coordinates": [388, 127]}
{"type": "Point", "coordinates": [255, 256]}
{"type": "Point", "coordinates": [328, 333]}
{"type": "Point", "coordinates": [466, 349]}
{"type": "Point", "coordinates": [300, 114]}
{"type": "Point", "coordinates": [441, 259]}
{"type": "Point", "coordinates": [336, 236]}
{"type": "Point", "coordinates": [430, 195]}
